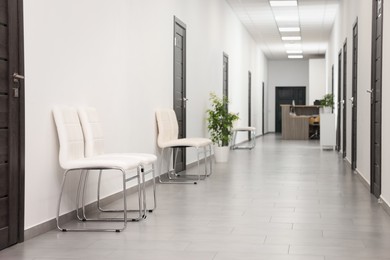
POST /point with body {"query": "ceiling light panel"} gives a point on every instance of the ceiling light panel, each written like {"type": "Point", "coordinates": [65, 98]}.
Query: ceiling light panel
{"type": "Point", "coordinates": [283, 3]}
{"type": "Point", "coordinates": [289, 29]}
{"type": "Point", "coordinates": [294, 51]}
{"type": "Point", "coordinates": [291, 38]}
{"type": "Point", "coordinates": [295, 56]}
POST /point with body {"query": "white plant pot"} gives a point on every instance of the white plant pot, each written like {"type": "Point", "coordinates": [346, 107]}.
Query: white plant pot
{"type": "Point", "coordinates": [327, 110]}
{"type": "Point", "coordinates": [221, 154]}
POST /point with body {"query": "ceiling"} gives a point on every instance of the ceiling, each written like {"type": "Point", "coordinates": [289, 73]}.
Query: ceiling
{"type": "Point", "coordinates": [315, 19]}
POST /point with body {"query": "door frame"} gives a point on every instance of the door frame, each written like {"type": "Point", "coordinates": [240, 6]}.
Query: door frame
{"type": "Point", "coordinates": [338, 127]}
{"type": "Point", "coordinates": [177, 21]}
{"type": "Point", "coordinates": [376, 191]}
{"type": "Point", "coordinates": [249, 103]}
{"type": "Point", "coordinates": [332, 85]}
{"type": "Point", "coordinates": [345, 59]}
{"type": "Point", "coordinates": [16, 133]}
{"type": "Point", "coordinates": [354, 103]}
{"type": "Point", "coordinates": [225, 89]}
{"type": "Point", "coordinates": [263, 106]}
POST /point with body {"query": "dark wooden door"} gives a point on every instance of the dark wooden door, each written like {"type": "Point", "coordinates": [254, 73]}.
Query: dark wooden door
{"type": "Point", "coordinates": [179, 88]}
{"type": "Point", "coordinates": [332, 84]}
{"type": "Point", "coordinates": [225, 78]}
{"type": "Point", "coordinates": [354, 96]}
{"type": "Point", "coordinates": [249, 102]}
{"type": "Point", "coordinates": [263, 107]}
{"type": "Point", "coordinates": [376, 99]}
{"type": "Point", "coordinates": [339, 104]}
{"type": "Point", "coordinates": [285, 96]}
{"type": "Point", "coordinates": [11, 123]}
{"type": "Point", "coordinates": [344, 102]}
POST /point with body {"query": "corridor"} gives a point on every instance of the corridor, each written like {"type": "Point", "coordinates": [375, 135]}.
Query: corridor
{"type": "Point", "coordinates": [284, 200]}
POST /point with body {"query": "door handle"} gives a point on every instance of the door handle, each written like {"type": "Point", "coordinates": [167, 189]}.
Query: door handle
{"type": "Point", "coordinates": [185, 99]}
{"type": "Point", "coordinates": [16, 77]}
{"type": "Point", "coordinates": [351, 99]}
{"type": "Point", "coordinates": [369, 91]}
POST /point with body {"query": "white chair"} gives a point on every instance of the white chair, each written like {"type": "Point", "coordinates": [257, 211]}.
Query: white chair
{"type": "Point", "coordinates": [252, 132]}
{"type": "Point", "coordinates": [168, 131]}
{"type": "Point", "coordinates": [94, 146]}
{"type": "Point", "coordinates": [72, 160]}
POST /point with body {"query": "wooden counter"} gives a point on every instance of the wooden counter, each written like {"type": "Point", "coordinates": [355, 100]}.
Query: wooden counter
{"type": "Point", "coordinates": [296, 126]}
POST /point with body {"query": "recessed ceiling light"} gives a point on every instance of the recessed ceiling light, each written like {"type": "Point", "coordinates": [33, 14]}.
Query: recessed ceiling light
{"type": "Point", "coordinates": [295, 56]}
{"type": "Point", "coordinates": [289, 29]}
{"type": "Point", "coordinates": [286, 18]}
{"type": "Point", "coordinates": [293, 46]}
{"type": "Point", "coordinates": [291, 38]}
{"type": "Point", "coordinates": [294, 51]}
{"type": "Point", "coordinates": [283, 3]}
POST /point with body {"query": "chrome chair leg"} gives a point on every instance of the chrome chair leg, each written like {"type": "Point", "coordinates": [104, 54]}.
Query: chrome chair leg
{"type": "Point", "coordinates": [172, 179]}
{"type": "Point", "coordinates": [92, 229]}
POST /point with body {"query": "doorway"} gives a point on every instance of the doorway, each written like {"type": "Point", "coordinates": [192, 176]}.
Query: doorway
{"type": "Point", "coordinates": [225, 80]}
{"type": "Point", "coordinates": [285, 96]}
{"type": "Point", "coordinates": [249, 103]}
{"type": "Point", "coordinates": [344, 103]}
{"type": "Point", "coordinates": [354, 95]}
{"type": "Point", "coordinates": [179, 87]}
{"type": "Point", "coordinates": [262, 110]}
{"type": "Point", "coordinates": [339, 104]}
{"type": "Point", "coordinates": [11, 123]}
{"type": "Point", "coordinates": [376, 99]}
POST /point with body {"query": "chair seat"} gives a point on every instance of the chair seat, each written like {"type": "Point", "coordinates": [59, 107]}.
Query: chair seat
{"type": "Point", "coordinates": [244, 128]}
{"type": "Point", "coordinates": [143, 157]}
{"type": "Point", "coordinates": [187, 142]}
{"type": "Point", "coordinates": [103, 163]}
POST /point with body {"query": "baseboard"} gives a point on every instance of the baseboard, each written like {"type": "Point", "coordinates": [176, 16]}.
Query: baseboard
{"type": "Point", "coordinates": [52, 223]}
{"type": "Point", "coordinates": [195, 164]}
{"type": "Point", "coordinates": [363, 180]}
{"type": "Point", "coordinates": [385, 205]}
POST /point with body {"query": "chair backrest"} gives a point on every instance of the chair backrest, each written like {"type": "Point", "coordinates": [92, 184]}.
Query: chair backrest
{"type": "Point", "coordinates": [70, 135]}
{"type": "Point", "coordinates": [168, 128]}
{"type": "Point", "coordinates": [93, 132]}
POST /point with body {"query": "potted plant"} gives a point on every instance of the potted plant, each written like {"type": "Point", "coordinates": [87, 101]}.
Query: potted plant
{"type": "Point", "coordinates": [327, 103]}
{"type": "Point", "coordinates": [220, 124]}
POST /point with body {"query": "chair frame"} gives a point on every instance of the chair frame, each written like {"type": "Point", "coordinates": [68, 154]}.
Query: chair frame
{"type": "Point", "coordinates": [175, 178]}
{"type": "Point", "coordinates": [168, 131]}
{"type": "Point", "coordinates": [72, 159]}
{"type": "Point", "coordinates": [141, 171]}
{"type": "Point", "coordinates": [252, 142]}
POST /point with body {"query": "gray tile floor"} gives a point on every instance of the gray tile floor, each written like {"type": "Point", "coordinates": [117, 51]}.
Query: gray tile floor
{"type": "Point", "coordinates": [284, 200]}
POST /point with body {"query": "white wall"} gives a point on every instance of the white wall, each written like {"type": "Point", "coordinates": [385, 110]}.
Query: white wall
{"type": "Point", "coordinates": [117, 56]}
{"type": "Point", "coordinates": [342, 30]}
{"type": "Point", "coordinates": [285, 73]}
{"type": "Point", "coordinates": [317, 80]}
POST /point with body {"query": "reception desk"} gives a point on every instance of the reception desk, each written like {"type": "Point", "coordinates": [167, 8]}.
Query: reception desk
{"type": "Point", "coordinates": [295, 121]}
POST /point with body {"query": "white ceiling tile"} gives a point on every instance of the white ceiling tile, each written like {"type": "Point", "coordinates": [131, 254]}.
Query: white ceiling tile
{"type": "Point", "coordinates": [316, 18]}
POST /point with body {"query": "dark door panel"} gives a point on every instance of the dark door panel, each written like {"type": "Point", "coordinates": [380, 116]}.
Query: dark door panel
{"type": "Point", "coordinates": [249, 102]}
{"type": "Point", "coordinates": [11, 122]}
{"type": "Point", "coordinates": [344, 102]}
{"type": "Point", "coordinates": [285, 96]}
{"type": "Point", "coordinates": [225, 79]}
{"type": "Point", "coordinates": [354, 96]}
{"type": "Point", "coordinates": [339, 104]}
{"type": "Point", "coordinates": [376, 99]}
{"type": "Point", "coordinates": [179, 88]}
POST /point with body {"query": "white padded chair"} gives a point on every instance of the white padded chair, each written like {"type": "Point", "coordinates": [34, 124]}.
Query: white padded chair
{"type": "Point", "coordinates": [168, 131]}
{"type": "Point", "coordinates": [94, 146]}
{"type": "Point", "coordinates": [72, 160]}
{"type": "Point", "coordinates": [252, 132]}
